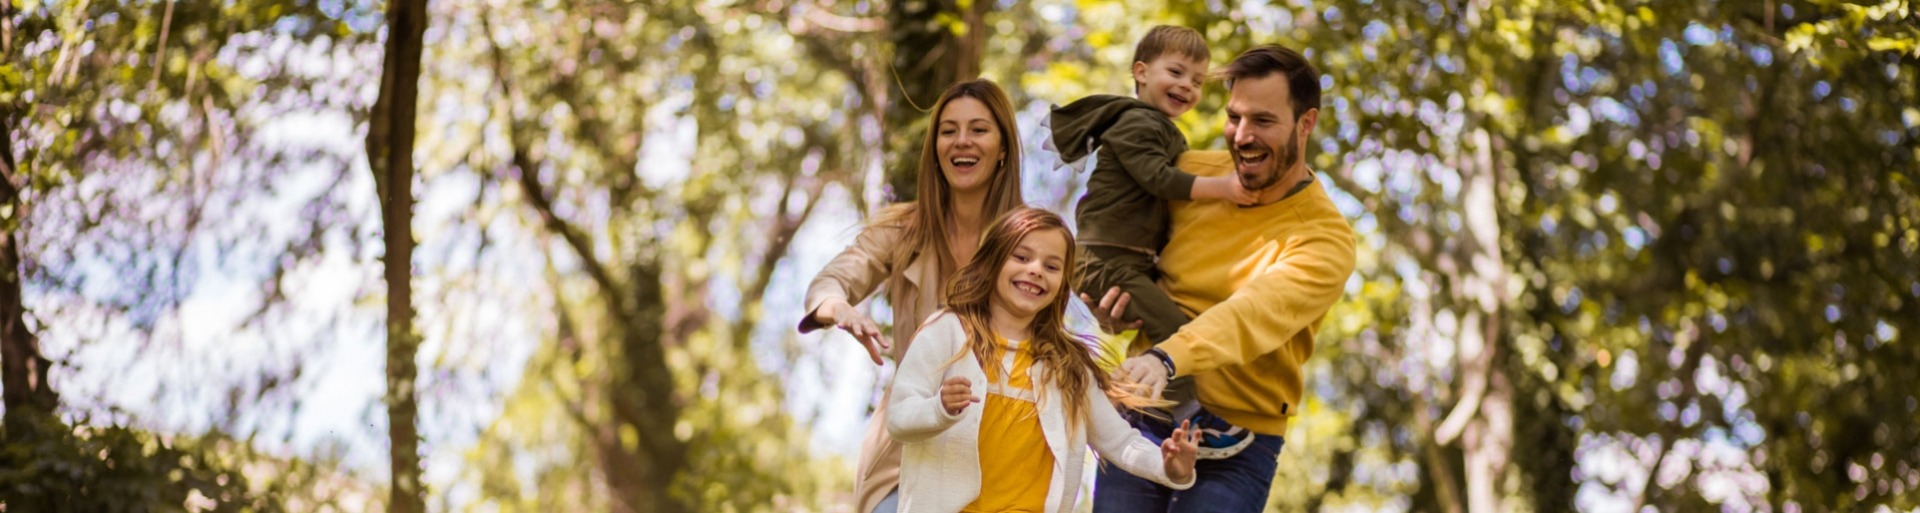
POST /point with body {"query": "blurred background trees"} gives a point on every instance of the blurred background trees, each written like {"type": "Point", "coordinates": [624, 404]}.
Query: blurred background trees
{"type": "Point", "coordinates": [1647, 254]}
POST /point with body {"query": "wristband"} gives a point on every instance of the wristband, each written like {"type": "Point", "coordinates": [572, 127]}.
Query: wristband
{"type": "Point", "coordinates": [1164, 360]}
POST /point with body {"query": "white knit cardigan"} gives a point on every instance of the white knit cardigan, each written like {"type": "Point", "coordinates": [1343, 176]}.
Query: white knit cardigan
{"type": "Point", "coordinates": [940, 472]}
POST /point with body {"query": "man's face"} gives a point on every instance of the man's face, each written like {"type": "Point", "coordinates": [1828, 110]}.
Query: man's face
{"type": "Point", "coordinates": [1262, 134]}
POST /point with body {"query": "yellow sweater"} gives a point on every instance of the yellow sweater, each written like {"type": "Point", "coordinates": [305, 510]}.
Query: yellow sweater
{"type": "Point", "coordinates": [1258, 281]}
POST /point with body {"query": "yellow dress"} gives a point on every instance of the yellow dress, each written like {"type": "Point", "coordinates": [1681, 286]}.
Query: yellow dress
{"type": "Point", "coordinates": [1016, 467]}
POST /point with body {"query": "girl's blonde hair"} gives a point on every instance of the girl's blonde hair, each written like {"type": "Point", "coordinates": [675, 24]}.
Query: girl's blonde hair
{"type": "Point", "coordinates": [1065, 358]}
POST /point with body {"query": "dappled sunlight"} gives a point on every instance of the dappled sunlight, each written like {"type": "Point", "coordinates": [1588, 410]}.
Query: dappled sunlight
{"type": "Point", "coordinates": [1610, 257]}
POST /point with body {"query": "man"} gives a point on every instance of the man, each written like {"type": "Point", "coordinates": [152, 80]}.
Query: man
{"type": "Point", "coordinates": [1258, 279]}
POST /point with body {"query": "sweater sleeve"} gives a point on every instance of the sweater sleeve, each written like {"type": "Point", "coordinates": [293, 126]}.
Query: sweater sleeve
{"type": "Point", "coordinates": [853, 274]}
{"type": "Point", "coordinates": [1118, 443]}
{"type": "Point", "coordinates": [1265, 315]}
{"type": "Point", "coordinates": [1138, 142]}
{"type": "Point", "coordinates": [914, 412]}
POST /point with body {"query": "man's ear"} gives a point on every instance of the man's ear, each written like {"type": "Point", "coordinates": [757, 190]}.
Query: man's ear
{"type": "Point", "coordinates": [1307, 121]}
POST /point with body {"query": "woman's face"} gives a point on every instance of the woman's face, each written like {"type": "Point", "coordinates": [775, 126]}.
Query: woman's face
{"type": "Point", "coordinates": [968, 144]}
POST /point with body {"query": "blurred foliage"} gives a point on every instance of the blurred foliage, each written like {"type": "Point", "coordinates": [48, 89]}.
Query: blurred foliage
{"type": "Point", "coordinates": [115, 468]}
{"type": "Point", "coordinates": [1613, 255]}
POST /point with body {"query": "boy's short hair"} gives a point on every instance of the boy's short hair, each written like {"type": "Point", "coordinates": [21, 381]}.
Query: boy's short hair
{"type": "Point", "coordinates": [1303, 81]}
{"type": "Point", "coordinates": [1164, 39]}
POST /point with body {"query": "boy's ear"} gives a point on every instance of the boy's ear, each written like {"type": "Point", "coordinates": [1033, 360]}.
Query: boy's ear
{"type": "Point", "coordinates": [1139, 74]}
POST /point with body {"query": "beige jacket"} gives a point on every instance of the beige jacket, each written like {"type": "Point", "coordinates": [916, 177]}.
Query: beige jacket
{"type": "Point", "coordinates": [855, 274]}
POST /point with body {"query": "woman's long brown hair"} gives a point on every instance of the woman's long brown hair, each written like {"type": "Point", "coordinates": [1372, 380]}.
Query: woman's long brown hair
{"type": "Point", "coordinates": [1063, 356]}
{"type": "Point", "coordinates": [930, 215]}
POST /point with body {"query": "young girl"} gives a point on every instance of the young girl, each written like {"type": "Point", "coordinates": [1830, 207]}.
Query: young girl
{"type": "Point", "coordinates": [1003, 342]}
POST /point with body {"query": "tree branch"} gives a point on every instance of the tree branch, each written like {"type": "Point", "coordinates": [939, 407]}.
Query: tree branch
{"type": "Point", "coordinates": [529, 180]}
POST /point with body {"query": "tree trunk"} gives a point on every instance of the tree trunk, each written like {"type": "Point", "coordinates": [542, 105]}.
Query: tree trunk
{"type": "Point", "coordinates": [27, 393]}
{"type": "Point", "coordinates": [927, 58]}
{"type": "Point", "coordinates": [1483, 419]}
{"type": "Point", "coordinates": [643, 400]}
{"type": "Point", "coordinates": [390, 137]}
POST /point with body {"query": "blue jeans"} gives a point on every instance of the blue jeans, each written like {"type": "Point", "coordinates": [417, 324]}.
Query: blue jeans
{"type": "Point", "coordinates": [890, 504]}
{"type": "Point", "coordinates": [1236, 484]}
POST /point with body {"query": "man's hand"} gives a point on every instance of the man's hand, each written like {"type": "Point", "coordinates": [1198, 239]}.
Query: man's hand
{"type": "Point", "coordinates": [1179, 451]}
{"type": "Point", "coordinates": [956, 393]}
{"type": "Point", "coordinates": [1145, 370]}
{"type": "Point", "coordinates": [841, 315]}
{"type": "Point", "coordinates": [1111, 310]}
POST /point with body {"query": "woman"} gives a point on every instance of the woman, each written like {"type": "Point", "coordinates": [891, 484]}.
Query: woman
{"type": "Point", "coordinates": [969, 175]}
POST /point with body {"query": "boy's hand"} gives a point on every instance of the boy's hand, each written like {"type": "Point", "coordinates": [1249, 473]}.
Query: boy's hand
{"type": "Point", "coordinates": [1179, 451]}
{"type": "Point", "coordinates": [1226, 188]}
{"type": "Point", "coordinates": [1111, 310]}
{"type": "Point", "coordinates": [1237, 192]}
{"type": "Point", "coordinates": [956, 393]}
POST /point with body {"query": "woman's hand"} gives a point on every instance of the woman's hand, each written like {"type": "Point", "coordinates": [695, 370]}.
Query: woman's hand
{"type": "Point", "coordinates": [1179, 451]}
{"type": "Point", "coordinates": [956, 393]}
{"type": "Point", "coordinates": [839, 314]}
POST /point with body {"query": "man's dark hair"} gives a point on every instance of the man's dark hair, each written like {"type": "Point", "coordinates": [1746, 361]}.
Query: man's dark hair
{"type": "Point", "coordinates": [1303, 81]}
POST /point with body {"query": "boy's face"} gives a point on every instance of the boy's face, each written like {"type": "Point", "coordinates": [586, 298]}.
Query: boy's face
{"type": "Point", "coordinates": [1171, 82]}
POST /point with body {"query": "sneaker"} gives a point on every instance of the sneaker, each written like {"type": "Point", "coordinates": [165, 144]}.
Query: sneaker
{"type": "Point", "coordinates": [1219, 440]}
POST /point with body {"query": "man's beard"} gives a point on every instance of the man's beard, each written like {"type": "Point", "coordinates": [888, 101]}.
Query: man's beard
{"type": "Point", "coordinates": [1278, 161]}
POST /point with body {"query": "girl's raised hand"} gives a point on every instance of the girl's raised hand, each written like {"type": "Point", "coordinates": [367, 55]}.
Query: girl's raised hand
{"type": "Point", "coordinates": [1179, 451]}
{"type": "Point", "coordinates": [957, 392]}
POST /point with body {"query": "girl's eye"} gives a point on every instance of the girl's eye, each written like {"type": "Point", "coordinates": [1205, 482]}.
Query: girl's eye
{"type": "Point", "coordinates": [1053, 268]}
{"type": "Point", "coordinates": [1021, 258]}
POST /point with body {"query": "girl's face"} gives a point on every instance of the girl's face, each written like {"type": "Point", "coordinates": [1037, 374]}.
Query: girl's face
{"type": "Point", "coordinates": [1031, 276]}
{"type": "Point", "coordinates": [968, 144]}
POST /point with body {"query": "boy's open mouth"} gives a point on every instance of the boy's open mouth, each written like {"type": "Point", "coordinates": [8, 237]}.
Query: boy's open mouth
{"type": "Point", "coordinates": [1178, 100]}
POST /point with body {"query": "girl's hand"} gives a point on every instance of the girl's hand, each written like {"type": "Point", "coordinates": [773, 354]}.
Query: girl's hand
{"type": "Point", "coordinates": [1179, 451]}
{"type": "Point", "coordinates": [957, 392]}
{"type": "Point", "coordinates": [844, 316]}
